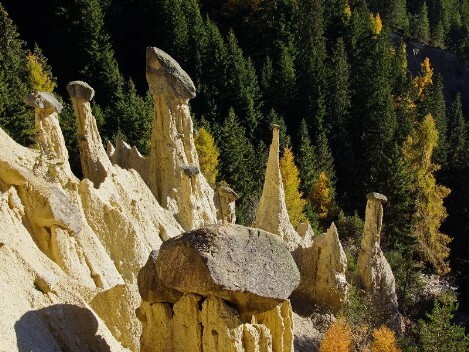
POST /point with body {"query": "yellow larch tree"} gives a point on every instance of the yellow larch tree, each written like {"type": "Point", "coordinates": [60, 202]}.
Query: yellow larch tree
{"type": "Point", "coordinates": [40, 76]}
{"type": "Point", "coordinates": [338, 338]}
{"type": "Point", "coordinates": [376, 24]}
{"type": "Point", "coordinates": [208, 155]}
{"type": "Point", "coordinates": [430, 211]}
{"type": "Point", "coordinates": [384, 340]}
{"type": "Point", "coordinates": [291, 184]}
{"type": "Point", "coordinates": [424, 78]}
{"type": "Point", "coordinates": [321, 197]}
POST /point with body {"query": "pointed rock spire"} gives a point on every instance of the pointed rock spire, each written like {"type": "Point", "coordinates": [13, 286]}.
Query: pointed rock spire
{"type": "Point", "coordinates": [322, 267]}
{"type": "Point", "coordinates": [272, 212]}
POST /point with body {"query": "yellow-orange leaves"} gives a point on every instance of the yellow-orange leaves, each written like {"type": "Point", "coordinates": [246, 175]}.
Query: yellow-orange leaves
{"type": "Point", "coordinates": [291, 183]}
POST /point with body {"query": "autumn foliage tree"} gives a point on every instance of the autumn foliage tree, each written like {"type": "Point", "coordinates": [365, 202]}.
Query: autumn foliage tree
{"type": "Point", "coordinates": [338, 338]}
{"type": "Point", "coordinates": [322, 198]}
{"type": "Point", "coordinates": [208, 155]}
{"type": "Point", "coordinates": [40, 74]}
{"type": "Point", "coordinates": [384, 340]}
{"type": "Point", "coordinates": [430, 211]}
{"type": "Point", "coordinates": [291, 184]}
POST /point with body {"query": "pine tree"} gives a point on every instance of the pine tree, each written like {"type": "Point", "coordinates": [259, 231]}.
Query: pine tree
{"type": "Point", "coordinates": [339, 119]}
{"type": "Point", "coordinates": [243, 92]}
{"type": "Point", "coordinates": [134, 116]}
{"type": "Point", "coordinates": [374, 120]}
{"type": "Point", "coordinates": [291, 183]}
{"type": "Point", "coordinates": [15, 117]}
{"type": "Point", "coordinates": [324, 158]}
{"type": "Point", "coordinates": [310, 61]}
{"type": "Point", "coordinates": [397, 16]}
{"type": "Point", "coordinates": [208, 155]}
{"type": "Point", "coordinates": [306, 160]}
{"type": "Point", "coordinates": [457, 137]}
{"type": "Point", "coordinates": [430, 211]}
{"type": "Point", "coordinates": [213, 81]}
{"type": "Point", "coordinates": [421, 24]}
{"type": "Point", "coordinates": [438, 330]}
{"type": "Point", "coordinates": [238, 166]}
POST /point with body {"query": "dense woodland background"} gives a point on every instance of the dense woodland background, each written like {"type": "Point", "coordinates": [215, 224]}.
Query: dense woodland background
{"type": "Point", "coordinates": [333, 73]}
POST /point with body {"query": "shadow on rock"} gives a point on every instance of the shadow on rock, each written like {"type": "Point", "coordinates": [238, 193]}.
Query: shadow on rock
{"type": "Point", "coordinates": [61, 327]}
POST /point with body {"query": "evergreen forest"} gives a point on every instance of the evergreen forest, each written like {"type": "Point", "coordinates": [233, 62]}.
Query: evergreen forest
{"type": "Point", "coordinates": [334, 74]}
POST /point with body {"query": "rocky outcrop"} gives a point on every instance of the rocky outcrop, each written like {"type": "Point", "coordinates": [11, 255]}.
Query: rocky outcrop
{"type": "Point", "coordinates": [233, 284]}
{"type": "Point", "coordinates": [42, 308]}
{"type": "Point", "coordinates": [117, 202]}
{"type": "Point", "coordinates": [96, 232]}
{"type": "Point", "coordinates": [374, 273]}
{"type": "Point", "coordinates": [250, 268]}
{"type": "Point", "coordinates": [209, 324]}
{"type": "Point", "coordinates": [322, 266]}
{"type": "Point", "coordinates": [116, 307]}
{"type": "Point", "coordinates": [272, 214]}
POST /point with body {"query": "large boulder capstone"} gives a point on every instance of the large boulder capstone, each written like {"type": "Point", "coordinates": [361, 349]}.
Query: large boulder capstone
{"type": "Point", "coordinates": [250, 268]}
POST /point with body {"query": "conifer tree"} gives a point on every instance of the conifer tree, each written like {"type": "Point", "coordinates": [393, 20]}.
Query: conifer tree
{"type": "Point", "coordinates": [213, 82]}
{"type": "Point", "coordinates": [306, 160]}
{"type": "Point", "coordinates": [430, 211]}
{"type": "Point", "coordinates": [291, 184]}
{"type": "Point", "coordinates": [238, 166]}
{"type": "Point", "coordinates": [457, 137]}
{"type": "Point", "coordinates": [438, 330]}
{"type": "Point", "coordinates": [134, 116]}
{"type": "Point", "coordinates": [243, 92]}
{"type": "Point", "coordinates": [15, 118]}
{"type": "Point", "coordinates": [421, 24]}
{"type": "Point", "coordinates": [339, 119]}
{"type": "Point", "coordinates": [208, 155]}
{"type": "Point", "coordinates": [310, 61]}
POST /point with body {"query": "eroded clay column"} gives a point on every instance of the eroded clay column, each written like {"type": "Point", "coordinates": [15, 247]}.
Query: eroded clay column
{"type": "Point", "coordinates": [272, 212]}
{"type": "Point", "coordinates": [174, 175]}
{"type": "Point", "coordinates": [374, 272]}
{"type": "Point", "coordinates": [94, 160]}
{"type": "Point", "coordinates": [50, 137]}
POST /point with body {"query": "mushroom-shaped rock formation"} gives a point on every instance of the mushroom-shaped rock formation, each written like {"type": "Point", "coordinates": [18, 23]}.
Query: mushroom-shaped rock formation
{"type": "Point", "coordinates": [165, 76]}
{"type": "Point", "coordinates": [374, 272]}
{"type": "Point", "coordinates": [219, 288]}
{"type": "Point", "coordinates": [322, 266]}
{"type": "Point", "coordinates": [225, 202]}
{"type": "Point", "coordinates": [173, 173]}
{"type": "Point", "coordinates": [272, 215]}
{"type": "Point", "coordinates": [94, 160]}
{"type": "Point", "coordinates": [49, 135]}
{"type": "Point", "coordinates": [250, 268]}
